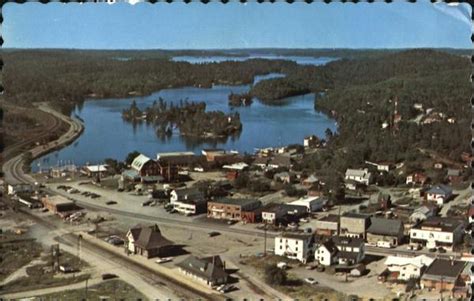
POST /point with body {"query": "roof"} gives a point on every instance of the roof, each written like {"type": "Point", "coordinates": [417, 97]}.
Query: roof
{"type": "Point", "coordinates": [356, 172]}
{"type": "Point", "coordinates": [355, 215]}
{"type": "Point", "coordinates": [304, 236]}
{"type": "Point", "coordinates": [307, 200]}
{"type": "Point", "coordinates": [311, 179]}
{"type": "Point", "coordinates": [384, 226]}
{"type": "Point", "coordinates": [347, 241]}
{"type": "Point", "coordinates": [447, 270]}
{"type": "Point", "coordinates": [422, 210]}
{"type": "Point", "coordinates": [210, 268]}
{"type": "Point", "coordinates": [187, 193]}
{"type": "Point", "coordinates": [260, 160]}
{"type": "Point", "coordinates": [151, 238]}
{"type": "Point", "coordinates": [236, 166]}
{"type": "Point", "coordinates": [443, 224]}
{"type": "Point", "coordinates": [174, 154]}
{"type": "Point", "coordinates": [440, 189]}
{"type": "Point", "coordinates": [241, 202]}
{"type": "Point", "coordinates": [418, 261]}
{"type": "Point", "coordinates": [58, 200]}
{"type": "Point", "coordinates": [330, 246]}
{"type": "Point", "coordinates": [139, 162]}
{"type": "Point", "coordinates": [135, 231]}
{"type": "Point", "coordinates": [330, 218]}
{"type": "Point", "coordinates": [454, 172]}
{"type": "Point", "coordinates": [281, 160]}
{"type": "Point", "coordinates": [97, 168]}
{"type": "Point", "coordinates": [130, 173]}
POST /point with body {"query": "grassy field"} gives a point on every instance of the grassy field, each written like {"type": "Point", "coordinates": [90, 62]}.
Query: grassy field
{"type": "Point", "coordinates": [108, 290]}
{"type": "Point", "coordinates": [16, 252]}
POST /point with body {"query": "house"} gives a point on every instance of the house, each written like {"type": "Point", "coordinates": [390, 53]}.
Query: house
{"type": "Point", "coordinates": [58, 204]}
{"type": "Point", "coordinates": [148, 242]}
{"type": "Point", "coordinates": [310, 181]}
{"type": "Point", "coordinates": [328, 225]}
{"type": "Point", "coordinates": [381, 166]}
{"type": "Point", "coordinates": [294, 246]}
{"type": "Point", "coordinates": [450, 276]}
{"type": "Point", "coordinates": [261, 162]}
{"type": "Point", "coordinates": [406, 268]}
{"type": "Point", "coordinates": [454, 176]}
{"type": "Point", "coordinates": [207, 270]}
{"type": "Point", "coordinates": [353, 185]}
{"type": "Point", "coordinates": [94, 171]}
{"type": "Point", "coordinates": [439, 194]}
{"type": "Point", "coordinates": [385, 232]}
{"type": "Point", "coordinates": [312, 204]}
{"type": "Point", "coordinates": [188, 201]}
{"type": "Point", "coordinates": [311, 142]}
{"type": "Point", "coordinates": [422, 213]}
{"type": "Point", "coordinates": [13, 189]}
{"type": "Point", "coordinates": [145, 166]}
{"type": "Point", "coordinates": [211, 154]}
{"type": "Point", "coordinates": [438, 232]}
{"type": "Point", "coordinates": [280, 161]}
{"type": "Point", "coordinates": [284, 177]}
{"type": "Point", "coordinates": [234, 209]}
{"type": "Point", "coordinates": [275, 214]}
{"type": "Point", "coordinates": [354, 225]}
{"type": "Point", "coordinates": [417, 178]}
{"type": "Point", "coordinates": [341, 250]}
{"type": "Point", "coordinates": [233, 170]}
{"type": "Point", "coordinates": [186, 194]}
{"type": "Point", "coordinates": [362, 176]}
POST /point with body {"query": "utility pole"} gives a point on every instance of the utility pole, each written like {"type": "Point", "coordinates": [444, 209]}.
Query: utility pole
{"type": "Point", "coordinates": [265, 239]}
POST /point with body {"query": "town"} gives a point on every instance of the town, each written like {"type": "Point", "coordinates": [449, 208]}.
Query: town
{"type": "Point", "coordinates": [260, 212]}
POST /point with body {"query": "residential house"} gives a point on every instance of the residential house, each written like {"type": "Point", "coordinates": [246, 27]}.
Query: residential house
{"type": "Point", "coordinates": [362, 176]}
{"type": "Point", "coordinates": [280, 161]}
{"type": "Point", "coordinates": [235, 209]}
{"type": "Point", "coordinates": [422, 213]}
{"type": "Point", "coordinates": [188, 201]}
{"type": "Point", "coordinates": [454, 176]}
{"type": "Point", "coordinates": [385, 232]}
{"type": "Point", "coordinates": [294, 246]}
{"type": "Point", "coordinates": [261, 162]}
{"type": "Point", "coordinates": [381, 166]}
{"type": "Point", "coordinates": [341, 250]}
{"type": "Point", "coordinates": [311, 142]}
{"type": "Point", "coordinates": [354, 225]}
{"type": "Point", "coordinates": [312, 204]}
{"type": "Point", "coordinates": [95, 171]}
{"type": "Point", "coordinates": [439, 194]}
{"type": "Point", "coordinates": [450, 276]}
{"type": "Point", "coordinates": [207, 270]}
{"type": "Point", "coordinates": [328, 225]}
{"type": "Point", "coordinates": [276, 214]}
{"type": "Point", "coordinates": [284, 177]}
{"type": "Point", "coordinates": [438, 232]}
{"type": "Point", "coordinates": [417, 178]}
{"type": "Point", "coordinates": [148, 242]}
{"type": "Point", "coordinates": [406, 268]}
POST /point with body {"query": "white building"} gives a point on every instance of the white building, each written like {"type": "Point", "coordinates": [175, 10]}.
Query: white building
{"type": "Point", "coordinates": [341, 250]}
{"type": "Point", "coordinates": [294, 246]}
{"type": "Point", "coordinates": [408, 267]}
{"type": "Point", "coordinates": [438, 232]}
{"type": "Point", "coordinates": [362, 176]}
{"type": "Point", "coordinates": [19, 188]}
{"type": "Point", "coordinates": [439, 194]}
{"type": "Point", "coordinates": [312, 203]}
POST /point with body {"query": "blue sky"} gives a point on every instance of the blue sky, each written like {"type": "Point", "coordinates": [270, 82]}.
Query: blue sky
{"type": "Point", "coordinates": [215, 25]}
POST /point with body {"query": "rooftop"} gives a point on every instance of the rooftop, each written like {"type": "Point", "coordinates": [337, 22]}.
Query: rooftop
{"type": "Point", "coordinates": [139, 161]}
{"type": "Point", "coordinates": [446, 270]}
{"type": "Point", "coordinates": [230, 201]}
{"type": "Point", "coordinates": [385, 226]}
{"type": "Point", "coordinates": [419, 261]}
{"type": "Point", "coordinates": [444, 224]}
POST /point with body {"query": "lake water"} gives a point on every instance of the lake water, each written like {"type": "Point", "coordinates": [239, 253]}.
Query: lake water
{"type": "Point", "coordinates": [302, 60]}
{"type": "Point", "coordinates": [107, 135]}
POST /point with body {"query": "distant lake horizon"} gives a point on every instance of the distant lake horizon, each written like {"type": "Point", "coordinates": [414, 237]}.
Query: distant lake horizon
{"type": "Point", "coordinates": [301, 60]}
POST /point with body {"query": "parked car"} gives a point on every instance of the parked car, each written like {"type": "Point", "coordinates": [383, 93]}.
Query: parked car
{"type": "Point", "coordinates": [441, 250]}
{"type": "Point", "coordinates": [107, 276]}
{"type": "Point", "coordinates": [224, 288]}
{"type": "Point", "coordinates": [310, 280]}
{"type": "Point", "coordinates": [432, 249]}
{"type": "Point", "coordinates": [110, 202]}
{"type": "Point", "coordinates": [164, 259]}
{"type": "Point", "coordinates": [146, 203]}
{"type": "Point", "coordinates": [65, 268]}
{"type": "Point", "coordinates": [213, 233]}
{"type": "Point", "coordinates": [282, 265]}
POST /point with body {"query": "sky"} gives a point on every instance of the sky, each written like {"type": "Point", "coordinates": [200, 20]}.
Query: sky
{"type": "Point", "coordinates": [217, 26]}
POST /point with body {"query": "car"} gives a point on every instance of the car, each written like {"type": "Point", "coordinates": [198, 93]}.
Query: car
{"type": "Point", "coordinates": [65, 268]}
{"type": "Point", "coordinates": [120, 190]}
{"type": "Point", "coordinates": [441, 250]}
{"type": "Point", "coordinates": [230, 222]}
{"type": "Point", "coordinates": [111, 203]}
{"type": "Point", "coordinates": [310, 280]}
{"type": "Point", "coordinates": [146, 203]}
{"type": "Point", "coordinates": [213, 233]}
{"type": "Point", "coordinates": [108, 276]}
{"type": "Point", "coordinates": [224, 288]}
{"type": "Point", "coordinates": [173, 211]}
{"type": "Point", "coordinates": [432, 249]}
{"type": "Point", "coordinates": [164, 259]}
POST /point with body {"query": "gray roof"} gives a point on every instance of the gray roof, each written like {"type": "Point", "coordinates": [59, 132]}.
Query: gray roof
{"type": "Point", "coordinates": [209, 268]}
{"type": "Point", "coordinates": [188, 193]}
{"type": "Point", "coordinates": [140, 161]}
{"type": "Point", "coordinates": [241, 202]}
{"type": "Point", "coordinates": [447, 270]}
{"type": "Point", "coordinates": [440, 189]}
{"type": "Point", "coordinates": [151, 238]}
{"type": "Point", "coordinates": [444, 223]}
{"type": "Point", "coordinates": [454, 172]}
{"type": "Point", "coordinates": [385, 226]}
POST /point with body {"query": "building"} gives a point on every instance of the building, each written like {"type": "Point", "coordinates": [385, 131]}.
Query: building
{"type": "Point", "coordinates": [439, 194]}
{"type": "Point", "coordinates": [235, 209]}
{"type": "Point", "coordinates": [438, 232]}
{"type": "Point", "coordinates": [280, 161]}
{"type": "Point", "coordinates": [276, 214]}
{"type": "Point", "coordinates": [58, 204]}
{"type": "Point", "coordinates": [294, 246]}
{"type": "Point", "coordinates": [341, 250]}
{"type": "Point", "coordinates": [454, 176]}
{"type": "Point", "coordinates": [312, 204]}
{"type": "Point", "coordinates": [211, 154]}
{"type": "Point", "coordinates": [310, 181]}
{"type": "Point", "coordinates": [171, 163]}
{"type": "Point", "coordinates": [385, 232]}
{"type": "Point", "coordinates": [406, 268]}
{"type": "Point", "coordinates": [451, 276]}
{"type": "Point", "coordinates": [470, 213]}
{"type": "Point", "coordinates": [207, 270]}
{"type": "Point", "coordinates": [381, 166]}
{"type": "Point", "coordinates": [145, 167]}
{"type": "Point", "coordinates": [311, 142]}
{"type": "Point", "coordinates": [13, 189]}
{"type": "Point", "coordinates": [354, 225]}
{"type": "Point", "coordinates": [261, 162]}
{"type": "Point", "coordinates": [328, 225]}
{"type": "Point", "coordinates": [148, 242]}
{"type": "Point", "coordinates": [284, 177]}
{"type": "Point", "coordinates": [188, 201]}
{"type": "Point", "coordinates": [362, 176]}
{"type": "Point", "coordinates": [94, 171]}
{"type": "Point", "coordinates": [422, 213]}
{"type": "Point", "coordinates": [417, 178]}
{"type": "Point", "coordinates": [234, 170]}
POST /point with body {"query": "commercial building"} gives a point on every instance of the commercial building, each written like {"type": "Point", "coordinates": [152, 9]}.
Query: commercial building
{"type": "Point", "coordinates": [406, 268]}
{"type": "Point", "coordinates": [385, 232]}
{"type": "Point", "coordinates": [58, 204]}
{"type": "Point", "coordinates": [235, 209]}
{"type": "Point", "coordinates": [148, 242]}
{"type": "Point", "coordinates": [438, 232]}
{"type": "Point", "coordinates": [328, 225]}
{"type": "Point", "coordinates": [354, 225]}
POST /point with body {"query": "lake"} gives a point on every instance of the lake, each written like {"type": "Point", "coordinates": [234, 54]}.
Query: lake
{"type": "Point", "coordinates": [107, 135]}
{"type": "Point", "coordinates": [302, 60]}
